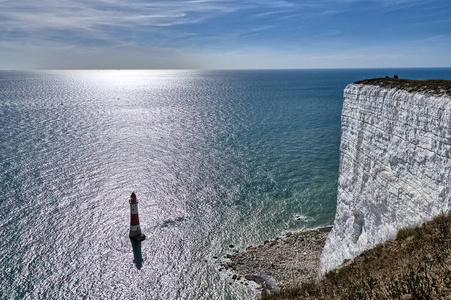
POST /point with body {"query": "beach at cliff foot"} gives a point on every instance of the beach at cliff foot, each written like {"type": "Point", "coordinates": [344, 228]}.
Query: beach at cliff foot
{"type": "Point", "coordinates": [281, 264]}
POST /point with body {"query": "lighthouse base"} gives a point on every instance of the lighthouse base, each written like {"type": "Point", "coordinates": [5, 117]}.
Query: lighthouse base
{"type": "Point", "coordinates": [137, 236]}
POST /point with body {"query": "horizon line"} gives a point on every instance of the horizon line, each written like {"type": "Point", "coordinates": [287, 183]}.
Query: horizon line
{"type": "Point", "coordinates": [218, 69]}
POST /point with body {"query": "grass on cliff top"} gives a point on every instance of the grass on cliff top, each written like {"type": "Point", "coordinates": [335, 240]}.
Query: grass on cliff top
{"type": "Point", "coordinates": [434, 86]}
{"type": "Point", "coordinates": [414, 265]}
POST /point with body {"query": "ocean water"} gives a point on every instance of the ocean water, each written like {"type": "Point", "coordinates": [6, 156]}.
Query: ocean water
{"type": "Point", "coordinates": [215, 157]}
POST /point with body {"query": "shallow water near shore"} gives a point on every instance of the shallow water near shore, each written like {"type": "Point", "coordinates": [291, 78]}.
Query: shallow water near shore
{"type": "Point", "coordinates": [215, 158]}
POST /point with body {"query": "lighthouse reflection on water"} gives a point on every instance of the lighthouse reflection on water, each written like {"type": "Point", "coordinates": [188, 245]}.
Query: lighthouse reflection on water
{"type": "Point", "coordinates": [136, 236]}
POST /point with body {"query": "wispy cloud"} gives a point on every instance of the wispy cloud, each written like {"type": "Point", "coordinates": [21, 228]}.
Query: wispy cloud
{"type": "Point", "coordinates": [47, 14]}
{"type": "Point", "coordinates": [441, 38]}
{"type": "Point", "coordinates": [111, 21]}
{"type": "Point", "coordinates": [92, 28]}
{"type": "Point", "coordinates": [101, 17]}
{"type": "Point", "coordinates": [50, 14]}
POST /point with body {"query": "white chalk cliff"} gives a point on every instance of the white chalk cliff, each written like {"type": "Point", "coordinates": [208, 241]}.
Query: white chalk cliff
{"type": "Point", "coordinates": [395, 167]}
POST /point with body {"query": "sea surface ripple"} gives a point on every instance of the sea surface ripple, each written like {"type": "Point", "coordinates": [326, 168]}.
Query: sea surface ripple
{"type": "Point", "coordinates": [215, 157]}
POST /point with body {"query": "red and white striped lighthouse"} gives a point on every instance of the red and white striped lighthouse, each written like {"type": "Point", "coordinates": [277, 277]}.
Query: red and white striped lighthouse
{"type": "Point", "coordinates": [135, 229]}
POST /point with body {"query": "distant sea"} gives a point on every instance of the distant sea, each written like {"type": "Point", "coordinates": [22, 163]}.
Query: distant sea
{"type": "Point", "coordinates": [216, 158]}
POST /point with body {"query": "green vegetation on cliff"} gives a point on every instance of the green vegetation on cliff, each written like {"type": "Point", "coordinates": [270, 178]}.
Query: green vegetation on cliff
{"type": "Point", "coordinates": [435, 86]}
{"type": "Point", "coordinates": [414, 265]}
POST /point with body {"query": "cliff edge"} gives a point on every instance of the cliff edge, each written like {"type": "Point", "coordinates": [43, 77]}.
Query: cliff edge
{"type": "Point", "coordinates": [395, 163]}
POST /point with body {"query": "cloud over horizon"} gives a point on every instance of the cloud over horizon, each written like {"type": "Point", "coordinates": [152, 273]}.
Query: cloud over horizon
{"type": "Point", "coordinates": [224, 34]}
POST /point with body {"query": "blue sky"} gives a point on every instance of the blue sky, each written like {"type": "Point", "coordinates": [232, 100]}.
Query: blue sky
{"type": "Point", "coordinates": [220, 34]}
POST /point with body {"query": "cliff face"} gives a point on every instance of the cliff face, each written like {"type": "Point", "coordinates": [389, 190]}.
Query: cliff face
{"type": "Point", "coordinates": [395, 167]}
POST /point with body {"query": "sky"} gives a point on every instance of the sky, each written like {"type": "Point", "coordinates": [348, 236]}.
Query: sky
{"type": "Point", "coordinates": [224, 34]}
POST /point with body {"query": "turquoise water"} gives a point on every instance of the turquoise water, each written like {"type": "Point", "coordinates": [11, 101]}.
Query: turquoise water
{"type": "Point", "coordinates": [215, 158]}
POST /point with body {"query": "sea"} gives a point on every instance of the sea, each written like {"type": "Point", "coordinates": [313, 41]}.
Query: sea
{"type": "Point", "coordinates": [219, 161]}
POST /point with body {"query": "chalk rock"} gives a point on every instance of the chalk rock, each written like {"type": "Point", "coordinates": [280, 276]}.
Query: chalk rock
{"type": "Point", "coordinates": [395, 167]}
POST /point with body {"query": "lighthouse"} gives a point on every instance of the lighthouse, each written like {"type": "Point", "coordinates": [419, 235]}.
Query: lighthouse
{"type": "Point", "coordinates": [135, 229]}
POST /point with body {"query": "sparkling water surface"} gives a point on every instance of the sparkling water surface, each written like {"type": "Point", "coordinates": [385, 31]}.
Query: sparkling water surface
{"type": "Point", "coordinates": [215, 157]}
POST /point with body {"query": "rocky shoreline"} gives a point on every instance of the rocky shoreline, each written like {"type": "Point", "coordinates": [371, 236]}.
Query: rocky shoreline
{"type": "Point", "coordinates": [282, 263]}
